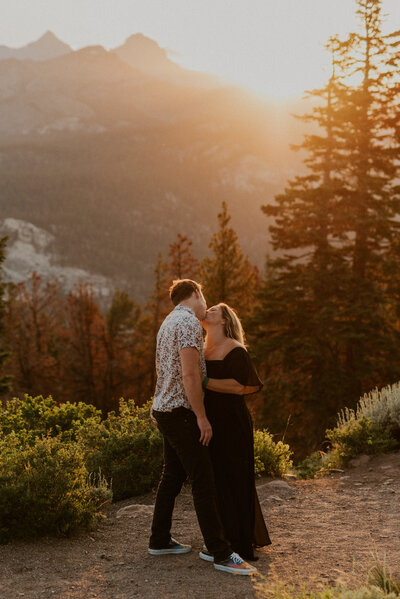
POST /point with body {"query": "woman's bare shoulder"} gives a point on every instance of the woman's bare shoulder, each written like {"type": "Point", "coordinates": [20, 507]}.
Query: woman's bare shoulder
{"type": "Point", "coordinates": [231, 344]}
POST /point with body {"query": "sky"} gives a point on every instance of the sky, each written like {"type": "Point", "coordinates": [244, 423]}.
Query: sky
{"type": "Point", "coordinates": [273, 47]}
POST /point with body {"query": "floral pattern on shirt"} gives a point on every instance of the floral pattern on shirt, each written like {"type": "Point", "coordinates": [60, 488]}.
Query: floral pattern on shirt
{"type": "Point", "coordinates": [180, 329]}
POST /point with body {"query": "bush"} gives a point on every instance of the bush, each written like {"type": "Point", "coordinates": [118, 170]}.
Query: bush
{"type": "Point", "coordinates": [311, 466]}
{"type": "Point", "coordinates": [33, 417]}
{"type": "Point", "coordinates": [128, 449]}
{"type": "Point", "coordinates": [45, 488]}
{"type": "Point", "coordinates": [381, 407]}
{"type": "Point", "coordinates": [270, 458]}
{"type": "Point", "coordinates": [373, 427]}
{"type": "Point", "coordinates": [357, 436]}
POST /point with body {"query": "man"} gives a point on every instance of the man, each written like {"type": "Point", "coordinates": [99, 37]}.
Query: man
{"type": "Point", "coordinates": [178, 409]}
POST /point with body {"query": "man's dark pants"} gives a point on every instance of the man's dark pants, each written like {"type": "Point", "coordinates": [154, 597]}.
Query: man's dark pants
{"type": "Point", "coordinates": [185, 456]}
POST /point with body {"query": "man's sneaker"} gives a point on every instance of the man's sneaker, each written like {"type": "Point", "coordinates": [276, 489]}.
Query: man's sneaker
{"type": "Point", "coordinates": [235, 565]}
{"type": "Point", "coordinates": [206, 555]}
{"type": "Point", "coordinates": [173, 548]}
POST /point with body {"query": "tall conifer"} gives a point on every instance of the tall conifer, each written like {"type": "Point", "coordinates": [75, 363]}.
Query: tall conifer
{"type": "Point", "coordinates": [227, 275]}
{"type": "Point", "coordinates": [324, 327]}
{"type": "Point", "coordinates": [182, 263]}
{"type": "Point", "coordinates": [371, 204]}
{"type": "Point", "coordinates": [294, 323]}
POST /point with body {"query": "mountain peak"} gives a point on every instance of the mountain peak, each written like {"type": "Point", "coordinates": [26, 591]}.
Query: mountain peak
{"type": "Point", "coordinates": [147, 47]}
{"type": "Point", "coordinates": [48, 46]}
{"type": "Point", "coordinates": [49, 35]}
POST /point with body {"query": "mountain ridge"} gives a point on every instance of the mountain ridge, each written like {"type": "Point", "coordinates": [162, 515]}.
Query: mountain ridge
{"type": "Point", "coordinates": [46, 47]}
{"type": "Point", "coordinates": [115, 161]}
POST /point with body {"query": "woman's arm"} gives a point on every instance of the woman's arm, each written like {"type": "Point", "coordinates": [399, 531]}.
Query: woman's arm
{"type": "Point", "coordinates": [229, 386]}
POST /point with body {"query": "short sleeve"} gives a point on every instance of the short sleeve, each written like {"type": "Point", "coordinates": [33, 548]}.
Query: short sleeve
{"type": "Point", "coordinates": [241, 368]}
{"type": "Point", "coordinates": [188, 334]}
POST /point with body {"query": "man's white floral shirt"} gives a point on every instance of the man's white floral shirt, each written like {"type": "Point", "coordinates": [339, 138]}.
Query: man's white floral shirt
{"type": "Point", "coordinates": [180, 329]}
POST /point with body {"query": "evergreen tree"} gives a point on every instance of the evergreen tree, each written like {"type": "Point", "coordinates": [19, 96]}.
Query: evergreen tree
{"type": "Point", "coordinates": [120, 375]}
{"type": "Point", "coordinates": [155, 311]}
{"type": "Point", "coordinates": [85, 356]}
{"type": "Point", "coordinates": [294, 327]}
{"type": "Point", "coordinates": [182, 264]}
{"type": "Point", "coordinates": [371, 203]}
{"type": "Point", "coordinates": [324, 320]}
{"type": "Point", "coordinates": [5, 379]}
{"type": "Point", "coordinates": [228, 276]}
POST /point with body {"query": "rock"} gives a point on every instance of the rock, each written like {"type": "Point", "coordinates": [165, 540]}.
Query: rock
{"type": "Point", "coordinates": [135, 510]}
{"type": "Point", "coordinates": [272, 498]}
{"type": "Point", "coordinates": [275, 484]}
{"type": "Point", "coordinates": [360, 461]}
{"type": "Point", "coordinates": [290, 476]}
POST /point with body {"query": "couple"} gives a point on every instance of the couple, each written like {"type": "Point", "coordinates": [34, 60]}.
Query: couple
{"type": "Point", "coordinates": [200, 410]}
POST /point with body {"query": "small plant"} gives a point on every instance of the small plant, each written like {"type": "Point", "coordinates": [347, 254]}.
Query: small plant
{"type": "Point", "coordinates": [264, 590]}
{"type": "Point", "coordinates": [270, 458]}
{"type": "Point", "coordinates": [381, 577]}
{"type": "Point", "coordinates": [312, 466]}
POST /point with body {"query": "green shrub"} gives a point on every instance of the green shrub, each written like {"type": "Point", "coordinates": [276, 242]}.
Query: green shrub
{"type": "Point", "coordinates": [381, 407]}
{"type": "Point", "coordinates": [33, 417]}
{"type": "Point", "coordinates": [45, 488]}
{"type": "Point", "coordinates": [311, 466]}
{"type": "Point", "coordinates": [357, 436]}
{"type": "Point", "coordinates": [270, 458]}
{"type": "Point", "coordinates": [128, 449]}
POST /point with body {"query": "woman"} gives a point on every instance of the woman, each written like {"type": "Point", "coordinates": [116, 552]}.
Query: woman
{"type": "Point", "coordinates": [231, 446]}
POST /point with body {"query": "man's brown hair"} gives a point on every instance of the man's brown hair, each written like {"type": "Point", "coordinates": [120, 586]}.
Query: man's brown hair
{"type": "Point", "coordinates": [182, 289]}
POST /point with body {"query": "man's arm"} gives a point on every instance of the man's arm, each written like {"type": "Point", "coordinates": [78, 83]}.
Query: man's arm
{"type": "Point", "coordinates": [192, 383]}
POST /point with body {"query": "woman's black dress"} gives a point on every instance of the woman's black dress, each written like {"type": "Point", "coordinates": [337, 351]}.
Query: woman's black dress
{"type": "Point", "coordinates": [232, 454]}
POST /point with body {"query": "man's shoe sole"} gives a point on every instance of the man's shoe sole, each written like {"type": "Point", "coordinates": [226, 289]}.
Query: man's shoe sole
{"type": "Point", "coordinates": [169, 551]}
{"type": "Point", "coordinates": [206, 557]}
{"type": "Point", "coordinates": [245, 572]}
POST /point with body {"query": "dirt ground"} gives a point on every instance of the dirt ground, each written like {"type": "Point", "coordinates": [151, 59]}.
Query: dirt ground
{"type": "Point", "coordinates": [323, 532]}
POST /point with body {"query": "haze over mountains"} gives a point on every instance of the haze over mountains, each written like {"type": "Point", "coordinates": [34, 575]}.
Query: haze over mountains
{"type": "Point", "coordinates": [45, 48]}
{"type": "Point", "coordinates": [112, 153]}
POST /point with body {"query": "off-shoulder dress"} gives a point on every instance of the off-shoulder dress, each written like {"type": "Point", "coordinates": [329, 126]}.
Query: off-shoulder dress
{"type": "Point", "coordinates": [232, 454]}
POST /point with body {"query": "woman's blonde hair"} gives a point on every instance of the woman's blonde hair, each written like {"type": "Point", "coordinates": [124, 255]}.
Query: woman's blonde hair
{"type": "Point", "coordinates": [232, 327]}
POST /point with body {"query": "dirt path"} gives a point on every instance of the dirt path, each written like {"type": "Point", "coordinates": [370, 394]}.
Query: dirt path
{"type": "Point", "coordinates": [323, 531]}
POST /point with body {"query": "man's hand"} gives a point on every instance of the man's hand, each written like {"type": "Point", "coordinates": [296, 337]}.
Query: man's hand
{"type": "Point", "coordinates": [205, 430]}
{"type": "Point", "coordinates": [152, 416]}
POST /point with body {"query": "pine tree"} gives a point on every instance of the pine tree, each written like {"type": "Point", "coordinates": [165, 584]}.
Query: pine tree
{"type": "Point", "coordinates": [120, 374]}
{"type": "Point", "coordinates": [323, 324]}
{"type": "Point", "coordinates": [182, 264]}
{"type": "Point", "coordinates": [84, 353]}
{"type": "Point", "coordinates": [5, 379]}
{"type": "Point", "coordinates": [294, 323]}
{"type": "Point", "coordinates": [228, 276]}
{"type": "Point", "coordinates": [155, 311]}
{"type": "Point", "coordinates": [371, 203]}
